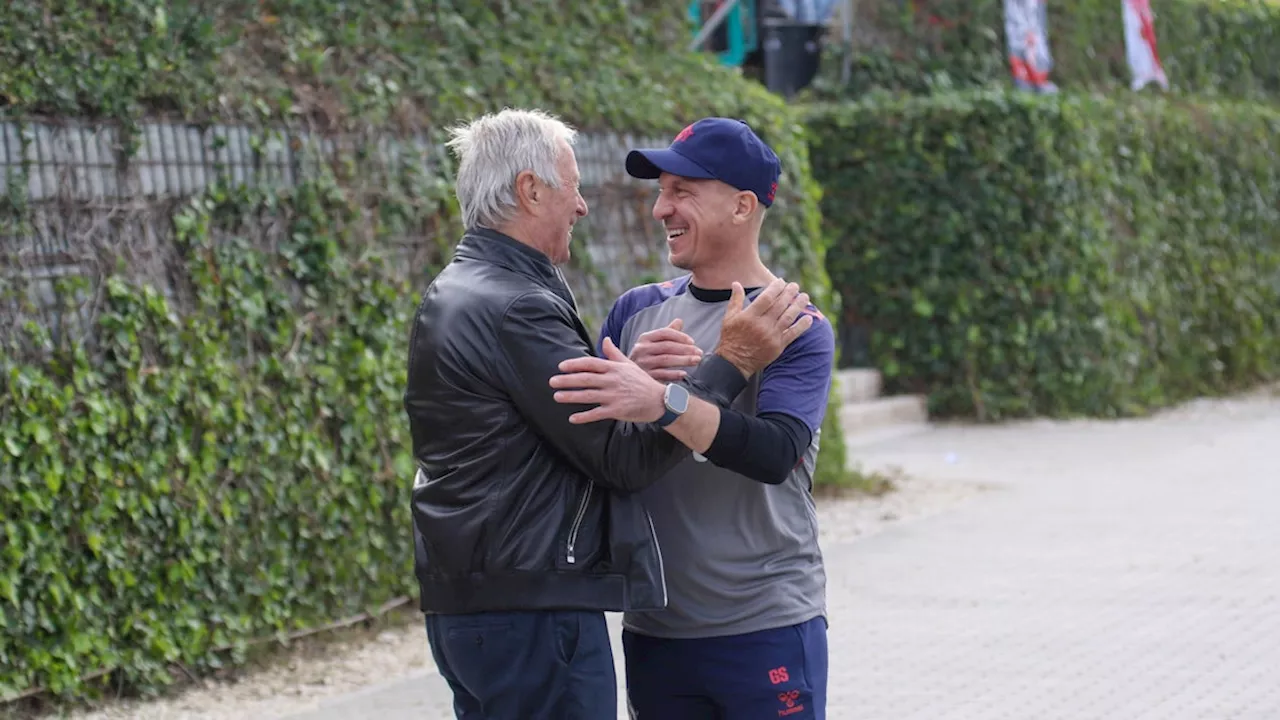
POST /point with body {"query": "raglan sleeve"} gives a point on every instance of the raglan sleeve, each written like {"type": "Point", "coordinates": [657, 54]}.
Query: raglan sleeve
{"type": "Point", "coordinates": [613, 324]}
{"type": "Point", "coordinates": [790, 406]}
{"type": "Point", "coordinates": [798, 383]}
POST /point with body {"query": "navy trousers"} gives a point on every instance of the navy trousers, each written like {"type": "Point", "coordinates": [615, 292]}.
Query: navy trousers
{"type": "Point", "coordinates": [529, 665]}
{"type": "Point", "coordinates": [766, 675]}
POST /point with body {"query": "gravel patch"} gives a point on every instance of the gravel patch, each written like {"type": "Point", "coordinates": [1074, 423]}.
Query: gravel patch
{"type": "Point", "coordinates": [293, 680]}
{"type": "Point", "coordinates": [842, 520]}
{"type": "Point", "coordinates": [312, 671]}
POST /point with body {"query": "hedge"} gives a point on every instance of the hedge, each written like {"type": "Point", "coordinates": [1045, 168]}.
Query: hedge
{"type": "Point", "coordinates": [1208, 47]}
{"type": "Point", "coordinates": [1014, 255]}
{"type": "Point", "coordinates": [234, 466]}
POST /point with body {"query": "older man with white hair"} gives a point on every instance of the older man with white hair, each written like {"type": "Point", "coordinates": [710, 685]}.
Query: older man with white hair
{"type": "Point", "coordinates": [525, 519]}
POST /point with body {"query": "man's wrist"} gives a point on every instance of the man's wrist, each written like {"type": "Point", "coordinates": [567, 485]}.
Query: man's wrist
{"type": "Point", "coordinates": [731, 357]}
{"type": "Point", "coordinates": [658, 390]}
{"type": "Point", "coordinates": [675, 403]}
{"type": "Point", "coordinates": [696, 429]}
{"type": "Point", "coordinates": [717, 379]}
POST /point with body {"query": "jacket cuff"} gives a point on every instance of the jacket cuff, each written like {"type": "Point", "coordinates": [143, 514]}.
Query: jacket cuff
{"type": "Point", "coordinates": [716, 380]}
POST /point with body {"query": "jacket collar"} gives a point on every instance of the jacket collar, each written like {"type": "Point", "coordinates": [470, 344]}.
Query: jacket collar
{"type": "Point", "coordinates": [487, 245]}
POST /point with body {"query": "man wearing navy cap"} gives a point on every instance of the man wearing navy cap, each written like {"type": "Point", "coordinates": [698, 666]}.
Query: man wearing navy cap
{"type": "Point", "coordinates": [744, 631]}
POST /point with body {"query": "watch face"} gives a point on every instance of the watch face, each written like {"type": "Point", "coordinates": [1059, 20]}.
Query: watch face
{"type": "Point", "coordinates": [677, 398]}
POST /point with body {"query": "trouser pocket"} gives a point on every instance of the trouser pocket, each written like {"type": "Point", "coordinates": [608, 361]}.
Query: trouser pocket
{"type": "Point", "coordinates": [527, 665]}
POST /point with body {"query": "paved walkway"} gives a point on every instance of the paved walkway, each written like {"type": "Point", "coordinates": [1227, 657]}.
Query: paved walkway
{"type": "Point", "coordinates": [1115, 570]}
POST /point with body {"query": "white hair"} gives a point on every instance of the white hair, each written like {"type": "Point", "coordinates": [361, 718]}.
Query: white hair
{"type": "Point", "coordinates": [493, 149]}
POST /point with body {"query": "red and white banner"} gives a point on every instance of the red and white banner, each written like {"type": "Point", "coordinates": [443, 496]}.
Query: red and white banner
{"type": "Point", "coordinates": [1140, 45]}
{"type": "Point", "coordinates": [1026, 31]}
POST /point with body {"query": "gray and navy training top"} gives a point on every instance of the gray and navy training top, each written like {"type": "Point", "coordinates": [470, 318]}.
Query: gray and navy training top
{"type": "Point", "coordinates": [738, 555]}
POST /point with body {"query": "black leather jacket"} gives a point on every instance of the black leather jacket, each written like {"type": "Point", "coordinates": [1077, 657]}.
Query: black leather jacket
{"type": "Point", "coordinates": [514, 507]}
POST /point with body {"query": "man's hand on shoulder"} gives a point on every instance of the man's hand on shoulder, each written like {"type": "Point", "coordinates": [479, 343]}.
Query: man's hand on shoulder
{"type": "Point", "coordinates": [751, 337]}
{"type": "Point", "coordinates": [618, 387]}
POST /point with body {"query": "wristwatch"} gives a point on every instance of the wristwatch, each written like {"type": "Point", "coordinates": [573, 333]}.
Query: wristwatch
{"type": "Point", "coordinates": [676, 400]}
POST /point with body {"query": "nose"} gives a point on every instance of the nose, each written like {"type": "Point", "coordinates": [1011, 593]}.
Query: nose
{"type": "Point", "coordinates": [582, 206]}
{"type": "Point", "coordinates": [662, 209]}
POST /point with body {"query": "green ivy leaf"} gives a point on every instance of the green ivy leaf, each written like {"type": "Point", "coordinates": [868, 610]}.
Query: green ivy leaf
{"type": "Point", "coordinates": [1083, 266]}
{"type": "Point", "coordinates": [197, 424]}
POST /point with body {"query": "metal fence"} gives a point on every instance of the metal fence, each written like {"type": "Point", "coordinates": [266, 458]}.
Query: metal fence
{"type": "Point", "coordinates": [77, 204]}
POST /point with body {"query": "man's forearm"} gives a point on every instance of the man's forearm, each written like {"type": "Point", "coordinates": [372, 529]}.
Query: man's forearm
{"type": "Point", "coordinates": [697, 427]}
{"type": "Point", "coordinates": [765, 449]}
{"type": "Point", "coordinates": [720, 380]}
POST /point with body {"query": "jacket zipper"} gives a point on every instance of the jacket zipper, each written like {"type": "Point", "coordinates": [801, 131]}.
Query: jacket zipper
{"type": "Point", "coordinates": [577, 524]}
{"type": "Point", "coordinates": [662, 572]}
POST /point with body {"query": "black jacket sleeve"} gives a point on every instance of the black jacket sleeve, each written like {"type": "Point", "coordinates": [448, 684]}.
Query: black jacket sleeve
{"type": "Point", "coordinates": [536, 335]}
{"type": "Point", "coordinates": [765, 448]}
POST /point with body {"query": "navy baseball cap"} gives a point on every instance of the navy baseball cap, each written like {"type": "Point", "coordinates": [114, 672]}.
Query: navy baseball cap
{"type": "Point", "coordinates": [714, 148]}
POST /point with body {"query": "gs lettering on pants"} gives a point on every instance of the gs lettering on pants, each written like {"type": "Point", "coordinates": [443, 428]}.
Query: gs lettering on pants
{"type": "Point", "coordinates": [790, 700]}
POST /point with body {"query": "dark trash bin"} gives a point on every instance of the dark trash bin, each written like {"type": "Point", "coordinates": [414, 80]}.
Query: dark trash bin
{"type": "Point", "coordinates": [791, 52]}
{"type": "Point", "coordinates": [718, 41]}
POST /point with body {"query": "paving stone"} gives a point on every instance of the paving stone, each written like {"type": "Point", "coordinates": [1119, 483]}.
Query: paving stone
{"type": "Point", "coordinates": [1115, 570]}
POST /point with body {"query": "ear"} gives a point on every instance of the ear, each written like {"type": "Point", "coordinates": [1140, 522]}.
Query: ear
{"type": "Point", "coordinates": [744, 207]}
{"type": "Point", "coordinates": [528, 190]}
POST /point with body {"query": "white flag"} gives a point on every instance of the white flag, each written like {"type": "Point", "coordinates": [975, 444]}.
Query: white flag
{"type": "Point", "coordinates": [1140, 45]}
{"type": "Point", "coordinates": [1026, 32]}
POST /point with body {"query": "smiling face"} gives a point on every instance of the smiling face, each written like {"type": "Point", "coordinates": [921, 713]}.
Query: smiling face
{"type": "Point", "coordinates": [549, 213]}
{"type": "Point", "coordinates": [704, 220]}
{"type": "Point", "coordinates": [565, 206]}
